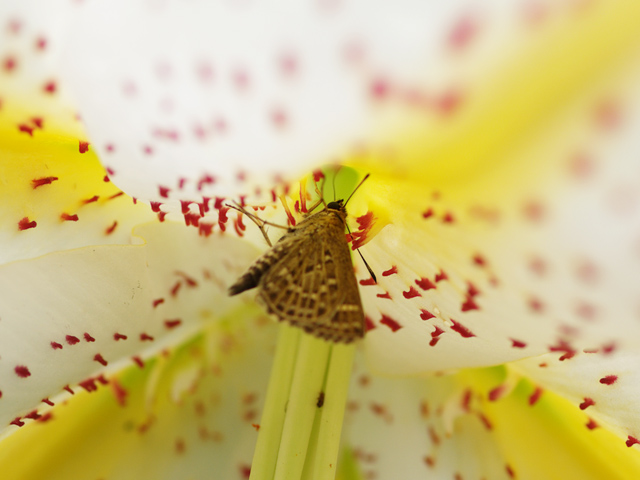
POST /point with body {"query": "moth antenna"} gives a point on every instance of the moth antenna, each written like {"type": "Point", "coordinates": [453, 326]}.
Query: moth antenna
{"type": "Point", "coordinates": [355, 189]}
{"type": "Point", "coordinates": [373, 275]}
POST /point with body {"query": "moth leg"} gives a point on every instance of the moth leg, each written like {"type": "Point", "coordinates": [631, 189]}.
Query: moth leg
{"type": "Point", "coordinates": [260, 223]}
{"type": "Point", "coordinates": [319, 192]}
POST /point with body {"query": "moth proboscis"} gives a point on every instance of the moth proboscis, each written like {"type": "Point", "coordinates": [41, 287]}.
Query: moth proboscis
{"type": "Point", "coordinates": [307, 277]}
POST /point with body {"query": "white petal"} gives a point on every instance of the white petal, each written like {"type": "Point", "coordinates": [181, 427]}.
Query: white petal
{"type": "Point", "coordinates": [135, 427]}
{"type": "Point", "coordinates": [539, 251]}
{"type": "Point", "coordinates": [605, 384]}
{"type": "Point", "coordinates": [176, 96]}
{"type": "Point", "coordinates": [68, 316]}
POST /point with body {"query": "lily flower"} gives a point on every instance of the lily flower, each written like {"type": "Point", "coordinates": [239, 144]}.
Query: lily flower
{"type": "Point", "coordinates": [501, 217]}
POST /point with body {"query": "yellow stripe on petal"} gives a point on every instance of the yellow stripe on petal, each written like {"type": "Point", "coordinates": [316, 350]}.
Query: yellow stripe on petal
{"type": "Point", "coordinates": [553, 439]}
{"type": "Point", "coordinates": [54, 194]}
{"type": "Point", "coordinates": [547, 66]}
{"type": "Point", "coordinates": [155, 419]}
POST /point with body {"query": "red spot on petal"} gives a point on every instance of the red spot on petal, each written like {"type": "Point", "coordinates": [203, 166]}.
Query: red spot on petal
{"type": "Point", "coordinates": [497, 393]}
{"type": "Point", "coordinates": [435, 336]}
{"type": "Point", "coordinates": [535, 396]}
{"type": "Point", "coordinates": [587, 402]}
{"type": "Point", "coordinates": [174, 290]}
{"type": "Point", "coordinates": [71, 340]}
{"type": "Point", "coordinates": [411, 293]}
{"type": "Point", "coordinates": [83, 147]}
{"type": "Point", "coordinates": [393, 270]}
{"type": "Point", "coordinates": [145, 337]}
{"type": "Point", "coordinates": [391, 323]}
{"type": "Point", "coordinates": [586, 311]}
{"type": "Point", "coordinates": [69, 218]}
{"type": "Point", "coordinates": [91, 200]}
{"type": "Point", "coordinates": [467, 396]}
{"type": "Point", "coordinates": [608, 115]}
{"type": "Point", "coordinates": [510, 471]}
{"type": "Point", "coordinates": [205, 229]}
{"type": "Point", "coordinates": [536, 305]}
{"type": "Point", "coordinates": [448, 218]}
{"type": "Point", "coordinates": [172, 323]}
{"type": "Point", "coordinates": [462, 33]}
{"type": "Point", "coordinates": [368, 281]}
{"type": "Point", "coordinates": [119, 336]}
{"type": "Point", "coordinates": [441, 276]}
{"type": "Point", "coordinates": [138, 361]}
{"type": "Point", "coordinates": [184, 204]}
{"type": "Point", "coordinates": [119, 392]}
{"type": "Point", "coordinates": [9, 64]}
{"type": "Point", "coordinates": [48, 402]}
{"type": "Point", "coordinates": [631, 441]}
{"type": "Point", "coordinates": [26, 129]}
{"type": "Point", "coordinates": [426, 315]}
{"type": "Point", "coordinates": [38, 182]}
{"type": "Point", "coordinates": [41, 43]}
{"type": "Point", "coordinates": [386, 295]}
{"type": "Point", "coordinates": [164, 191]}
{"type": "Point", "coordinates": [591, 424]}
{"type": "Point", "coordinates": [369, 323]}
{"type": "Point", "coordinates": [469, 304]}
{"type": "Point", "coordinates": [50, 87]}
{"type": "Point", "coordinates": [17, 422]}
{"type": "Point", "coordinates": [25, 224]}
{"type": "Point", "coordinates": [517, 343]}
{"type": "Point", "coordinates": [472, 291]}
{"type": "Point", "coordinates": [89, 384]}
{"type": "Point", "coordinates": [427, 213]}
{"type": "Point", "coordinates": [22, 371]}
{"type": "Point", "coordinates": [111, 228]}
{"type": "Point", "coordinates": [479, 260]}
{"type": "Point", "coordinates": [157, 302]}
{"type": "Point", "coordinates": [433, 436]}
{"type": "Point", "coordinates": [100, 359]}
{"type": "Point", "coordinates": [608, 349]}
{"type": "Point", "coordinates": [425, 284]}
{"type": "Point", "coordinates": [461, 329]}
{"type": "Point", "coordinates": [68, 389]}
{"type": "Point", "coordinates": [609, 380]}
{"type": "Point", "coordinates": [279, 118]}
{"type": "Point", "coordinates": [380, 88]}
{"type": "Point", "coordinates": [56, 346]}
{"type": "Point", "coordinates": [534, 211]}
{"type": "Point", "coordinates": [448, 102]}
{"type": "Point", "coordinates": [485, 421]}
{"type": "Point", "coordinates": [245, 471]}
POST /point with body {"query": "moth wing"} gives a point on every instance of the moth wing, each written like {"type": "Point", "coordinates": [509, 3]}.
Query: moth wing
{"type": "Point", "coordinates": [295, 288]}
{"type": "Point", "coordinates": [346, 323]}
{"type": "Point", "coordinates": [313, 286]}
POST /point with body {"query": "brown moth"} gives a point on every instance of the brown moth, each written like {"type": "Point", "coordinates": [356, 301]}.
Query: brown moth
{"type": "Point", "coordinates": [307, 277]}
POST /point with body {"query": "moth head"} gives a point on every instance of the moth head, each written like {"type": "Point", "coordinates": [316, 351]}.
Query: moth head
{"type": "Point", "coordinates": [337, 205]}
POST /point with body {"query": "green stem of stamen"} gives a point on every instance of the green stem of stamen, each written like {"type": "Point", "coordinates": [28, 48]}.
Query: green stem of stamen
{"type": "Point", "coordinates": [273, 414]}
{"type": "Point", "coordinates": [331, 415]}
{"type": "Point", "coordinates": [299, 436]}
{"type": "Point", "coordinates": [308, 380]}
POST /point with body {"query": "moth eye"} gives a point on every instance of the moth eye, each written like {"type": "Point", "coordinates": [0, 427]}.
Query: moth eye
{"type": "Point", "coordinates": [334, 205]}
